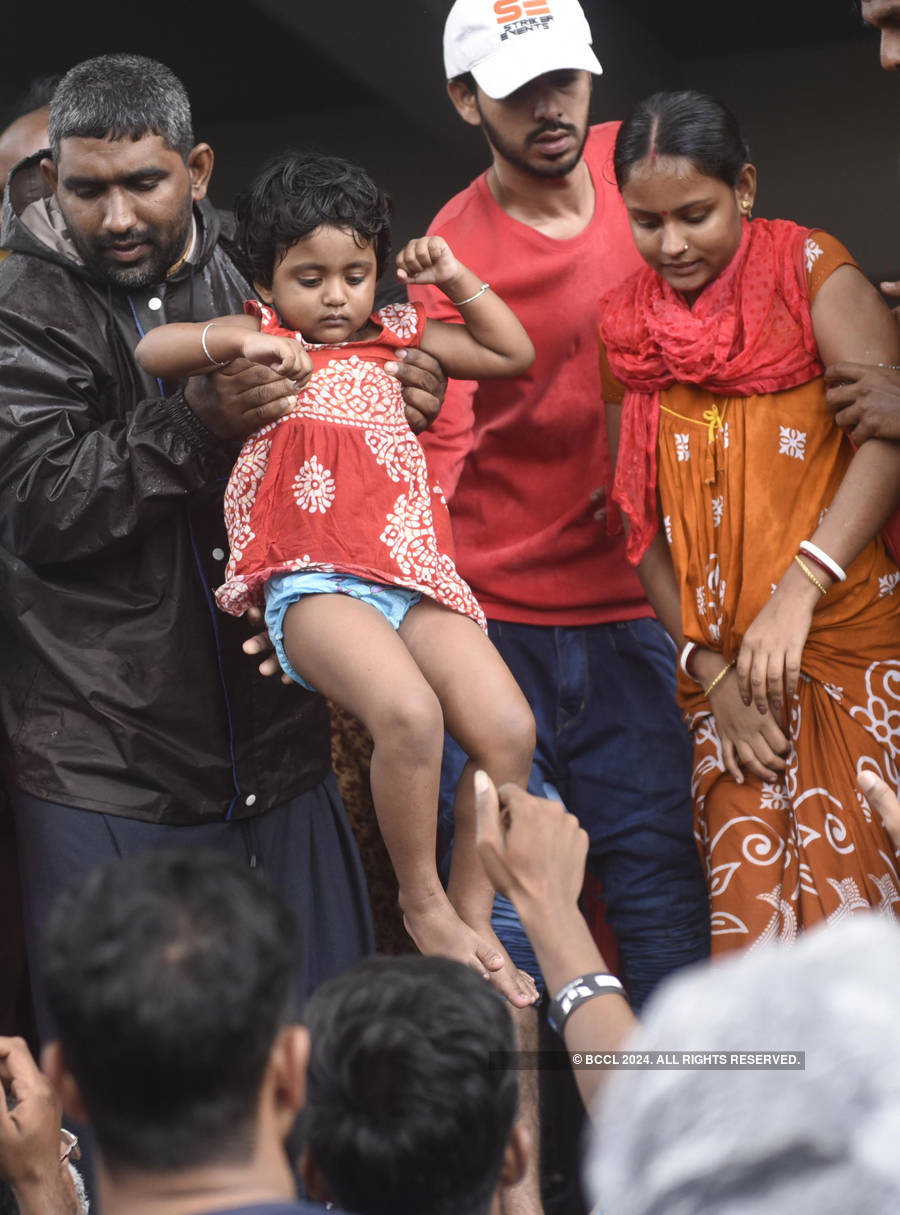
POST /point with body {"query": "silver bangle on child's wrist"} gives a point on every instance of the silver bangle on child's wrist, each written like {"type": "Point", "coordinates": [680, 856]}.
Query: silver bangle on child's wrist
{"type": "Point", "coordinates": [215, 362]}
{"type": "Point", "coordinates": [481, 290]}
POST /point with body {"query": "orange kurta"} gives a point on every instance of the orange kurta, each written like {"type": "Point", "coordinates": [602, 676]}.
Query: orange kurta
{"type": "Point", "coordinates": [742, 481]}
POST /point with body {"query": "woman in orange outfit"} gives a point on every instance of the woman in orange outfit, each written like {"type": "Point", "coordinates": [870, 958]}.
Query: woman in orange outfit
{"type": "Point", "coordinates": [767, 569]}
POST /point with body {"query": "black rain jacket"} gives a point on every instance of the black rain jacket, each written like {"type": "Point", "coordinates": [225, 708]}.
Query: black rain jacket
{"type": "Point", "coordinates": [123, 688]}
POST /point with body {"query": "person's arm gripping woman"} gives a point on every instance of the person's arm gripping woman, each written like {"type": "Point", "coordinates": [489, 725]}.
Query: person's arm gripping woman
{"type": "Point", "coordinates": [852, 326]}
{"type": "Point", "coordinates": [851, 323]}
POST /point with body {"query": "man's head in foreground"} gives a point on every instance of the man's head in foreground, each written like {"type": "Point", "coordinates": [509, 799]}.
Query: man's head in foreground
{"type": "Point", "coordinates": [170, 976]}
{"type": "Point", "coordinates": [522, 72]}
{"type": "Point", "coordinates": [404, 1111]}
{"type": "Point", "coordinates": [124, 169]}
{"type": "Point", "coordinates": [753, 1138]}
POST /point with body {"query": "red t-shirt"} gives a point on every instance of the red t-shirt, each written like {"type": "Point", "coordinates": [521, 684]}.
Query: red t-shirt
{"type": "Point", "coordinates": [518, 458]}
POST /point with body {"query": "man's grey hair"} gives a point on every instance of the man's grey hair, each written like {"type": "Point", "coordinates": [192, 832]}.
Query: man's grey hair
{"type": "Point", "coordinates": [121, 97]}
{"type": "Point", "coordinates": [824, 1140]}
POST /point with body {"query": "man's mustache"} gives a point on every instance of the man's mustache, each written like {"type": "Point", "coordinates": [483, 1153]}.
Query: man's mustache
{"type": "Point", "coordinates": [554, 128]}
{"type": "Point", "coordinates": [133, 237]}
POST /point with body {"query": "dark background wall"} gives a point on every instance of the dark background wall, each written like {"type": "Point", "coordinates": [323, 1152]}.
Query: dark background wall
{"type": "Point", "coordinates": [365, 81]}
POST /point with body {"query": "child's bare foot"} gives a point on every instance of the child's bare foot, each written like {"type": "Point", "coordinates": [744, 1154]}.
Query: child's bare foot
{"type": "Point", "coordinates": [437, 929]}
{"type": "Point", "coordinates": [517, 985]}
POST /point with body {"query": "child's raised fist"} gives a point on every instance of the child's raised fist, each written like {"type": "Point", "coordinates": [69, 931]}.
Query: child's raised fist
{"type": "Point", "coordinates": [427, 259]}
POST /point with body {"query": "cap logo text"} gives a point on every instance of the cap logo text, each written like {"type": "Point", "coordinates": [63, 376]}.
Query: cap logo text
{"type": "Point", "coordinates": [514, 10]}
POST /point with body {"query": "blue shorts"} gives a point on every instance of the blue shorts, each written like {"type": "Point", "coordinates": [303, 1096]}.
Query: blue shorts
{"type": "Point", "coordinates": [284, 589]}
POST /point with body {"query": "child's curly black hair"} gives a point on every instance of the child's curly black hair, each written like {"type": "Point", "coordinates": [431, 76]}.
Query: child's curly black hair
{"type": "Point", "coordinates": [296, 193]}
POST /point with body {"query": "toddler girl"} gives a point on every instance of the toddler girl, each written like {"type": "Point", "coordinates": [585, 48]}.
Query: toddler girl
{"type": "Point", "coordinates": [335, 523]}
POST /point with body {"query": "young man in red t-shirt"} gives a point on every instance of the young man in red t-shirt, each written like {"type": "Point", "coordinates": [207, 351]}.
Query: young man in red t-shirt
{"type": "Point", "coordinates": [520, 460]}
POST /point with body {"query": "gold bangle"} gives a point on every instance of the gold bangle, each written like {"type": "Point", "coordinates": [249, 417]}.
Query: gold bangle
{"type": "Point", "coordinates": [810, 575]}
{"type": "Point", "coordinates": [718, 679]}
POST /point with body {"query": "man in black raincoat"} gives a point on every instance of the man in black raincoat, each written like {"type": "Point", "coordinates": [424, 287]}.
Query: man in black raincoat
{"type": "Point", "coordinates": [132, 717]}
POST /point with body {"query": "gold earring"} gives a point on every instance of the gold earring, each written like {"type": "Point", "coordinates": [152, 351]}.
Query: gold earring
{"type": "Point", "coordinates": [747, 208]}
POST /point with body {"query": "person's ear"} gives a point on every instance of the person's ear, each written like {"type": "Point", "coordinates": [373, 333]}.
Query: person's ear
{"type": "Point", "coordinates": [745, 189]}
{"type": "Point", "coordinates": [290, 1058]}
{"type": "Point", "coordinates": [314, 1183]}
{"type": "Point", "coordinates": [264, 293]}
{"type": "Point", "coordinates": [464, 101]}
{"type": "Point", "coordinates": [55, 1068]}
{"type": "Point", "coordinates": [50, 172]}
{"type": "Point", "coordinates": [200, 166]}
{"type": "Point", "coordinates": [516, 1155]}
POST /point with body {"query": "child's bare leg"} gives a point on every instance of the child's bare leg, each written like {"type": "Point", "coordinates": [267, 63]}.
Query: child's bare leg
{"type": "Point", "coordinates": [487, 714]}
{"type": "Point", "coordinates": [347, 650]}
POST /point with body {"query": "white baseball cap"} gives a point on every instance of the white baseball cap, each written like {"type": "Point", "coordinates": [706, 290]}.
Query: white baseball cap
{"type": "Point", "coordinates": [506, 43]}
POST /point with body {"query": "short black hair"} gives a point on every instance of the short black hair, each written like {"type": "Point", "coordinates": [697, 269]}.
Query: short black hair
{"type": "Point", "coordinates": [297, 192]}
{"type": "Point", "coordinates": [686, 124]}
{"type": "Point", "coordinates": [405, 1114]}
{"type": "Point", "coordinates": [169, 975]}
{"type": "Point", "coordinates": [121, 97]}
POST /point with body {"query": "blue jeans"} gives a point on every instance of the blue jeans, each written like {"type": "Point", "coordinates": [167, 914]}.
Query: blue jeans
{"type": "Point", "coordinates": [611, 745]}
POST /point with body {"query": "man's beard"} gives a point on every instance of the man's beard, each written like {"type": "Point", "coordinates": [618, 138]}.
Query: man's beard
{"type": "Point", "coordinates": [560, 168]}
{"type": "Point", "coordinates": [164, 251]}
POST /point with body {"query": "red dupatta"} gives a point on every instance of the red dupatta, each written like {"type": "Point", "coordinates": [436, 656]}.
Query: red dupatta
{"type": "Point", "coordinates": [748, 332]}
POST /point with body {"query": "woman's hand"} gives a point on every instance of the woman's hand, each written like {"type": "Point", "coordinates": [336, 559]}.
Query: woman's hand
{"type": "Point", "coordinates": [756, 743]}
{"type": "Point", "coordinates": [768, 665]}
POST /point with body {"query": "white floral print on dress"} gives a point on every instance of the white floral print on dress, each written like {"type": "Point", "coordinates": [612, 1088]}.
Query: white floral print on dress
{"type": "Point", "coordinates": [887, 584]}
{"type": "Point", "coordinates": [711, 598]}
{"type": "Point", "coordinates": [400, 319]}
{"type": "Point", "coordinates": [241, 494]}
{"type": "Point", "coordinates": [718, 506]}
{"type": "Point", "coordinates": [683, 447]}
{"type": "Point", "coordinates": [881, 715]}
{"type": "Point", "coordinates": [792, 442]}
{"type": "Point", "coordinates": [773, 796]}
{"type": "Point", "coordinates": [231, 595]}
{"type": "Point", "coordinates": [314, 487]}
{"type": "Point", "coordinates": [813, 253]}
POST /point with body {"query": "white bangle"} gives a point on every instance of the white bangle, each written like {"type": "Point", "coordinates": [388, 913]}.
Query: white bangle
{"type": "Point", "coordinates": [813, 550]}
{"type": "Point", "coordinates": [481, 290]}
{"type": "Point", "coordinates": [215, 362]}
{"type": "Point", "coordinates": [576, 992]}
{"type": "Point", "coordinates": [686, 654]}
